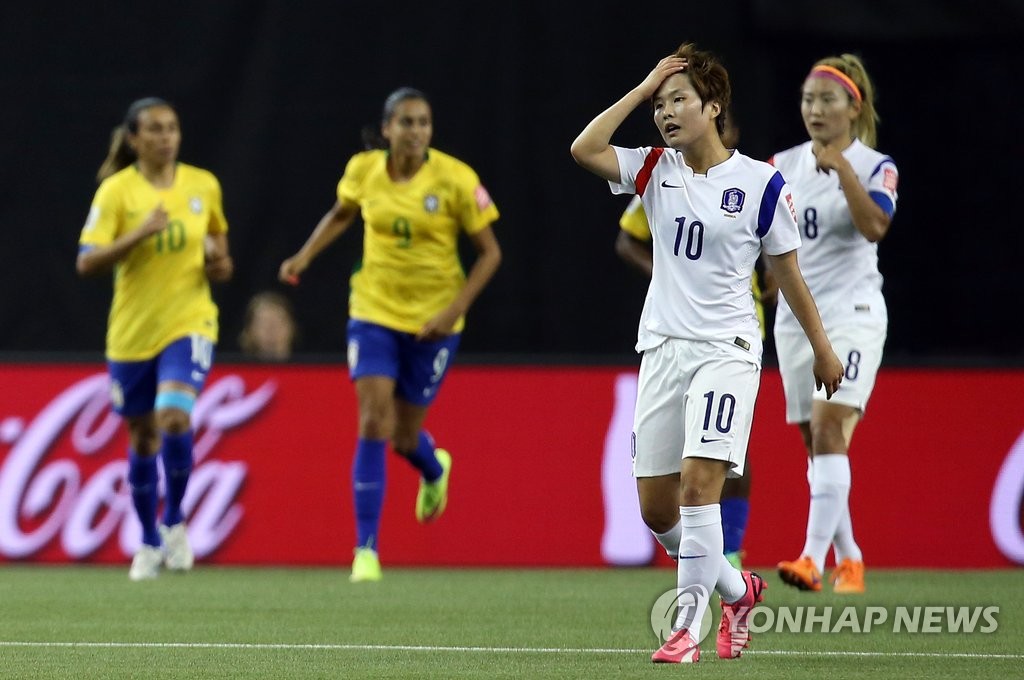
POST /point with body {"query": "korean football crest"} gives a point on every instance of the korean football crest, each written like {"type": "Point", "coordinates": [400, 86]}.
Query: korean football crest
{"type": "Point", "coordinates": [732, 200]}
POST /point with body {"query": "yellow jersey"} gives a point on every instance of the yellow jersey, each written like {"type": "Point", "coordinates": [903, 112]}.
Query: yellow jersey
{"type": "Point", "coordinates": [161, 292]}
{"type": "Point", "coordinates": [410, 270]}
{"type": "Point", "coordinates": [634, 222]}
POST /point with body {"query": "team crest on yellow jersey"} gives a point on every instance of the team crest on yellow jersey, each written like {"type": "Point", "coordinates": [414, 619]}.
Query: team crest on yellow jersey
{"type": "Point", "coordinates": [195, 204]}
{"type": "Point", "coordinates": [431, 203]}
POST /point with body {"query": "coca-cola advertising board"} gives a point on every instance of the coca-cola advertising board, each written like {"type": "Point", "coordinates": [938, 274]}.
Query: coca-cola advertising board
{"type": "Point", "coordinates": [541, 473]}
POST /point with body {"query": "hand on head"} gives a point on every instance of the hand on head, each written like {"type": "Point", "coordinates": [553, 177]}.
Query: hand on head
{"type": "Point", "coordinates": [666, 67]}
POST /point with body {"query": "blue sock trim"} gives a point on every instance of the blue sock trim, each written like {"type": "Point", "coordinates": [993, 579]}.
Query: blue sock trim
{"type": "Point", "coordinates": [142, 478]}
{"type": "Point", "coordinates": [424, 459]}
{"type": "Point", "coordinates": [734, 522]}
{"type": "Point", "coordinates": [176, 453]}
{"type": "Point", "coordinates": [183, 401]}
{"type": "Point", "coordinates": [368, 477]}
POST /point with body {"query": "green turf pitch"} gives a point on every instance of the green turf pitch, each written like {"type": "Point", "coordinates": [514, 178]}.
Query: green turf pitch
{"type": "Point", "coordinates": [91, 622]}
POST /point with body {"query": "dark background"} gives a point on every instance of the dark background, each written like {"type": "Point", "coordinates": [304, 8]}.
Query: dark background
{"type": "Point", "coordinates": [272, 96]}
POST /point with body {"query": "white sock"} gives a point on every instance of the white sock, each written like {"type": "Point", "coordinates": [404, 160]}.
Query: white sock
{"type": "Point", "coordinates": [830, 490]}
{"type": "Point", "coordinates": [731, 585]}
{"type": "Point", "coordinates": [700, 559]}
{"type": "Point", "coordinates": [843, 543]}
{"type": "Point", "coordinates": [670, 539]}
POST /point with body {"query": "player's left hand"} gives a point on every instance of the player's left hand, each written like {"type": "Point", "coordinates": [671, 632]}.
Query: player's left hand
{"type": "Point", "coordinates": [827, 157]}
{"type": "Point", "coordinates": [219, 267]}
{"type": "Point", "coordinates": [828, 373]}
{"type": "Point", "coordinates": [440, 326]}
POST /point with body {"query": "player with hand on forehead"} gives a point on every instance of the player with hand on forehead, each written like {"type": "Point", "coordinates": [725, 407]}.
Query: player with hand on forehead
{"type": "Point", "coordinates": [712, 211]}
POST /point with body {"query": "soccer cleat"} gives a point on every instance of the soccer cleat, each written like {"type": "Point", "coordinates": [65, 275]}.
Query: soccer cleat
{"type": "Point", "coordinates": [178, 553]}
{"type": "Point", "coordinates": [734, 628]}
{"type": "Point", "coordinates": [735, 558]}
{"type": "Point", "coordinates": [848, 577]}
{"type": "Point", "coordinates": [365, 566]}
{"type": "Point", "coordinates": [801, 573]}
{"type": "Point", "coordinates": [146, 563]}
{"type": "Point", "coordinates": [679, 648]}
{"type": "Point", "coordinates": [433, 496]}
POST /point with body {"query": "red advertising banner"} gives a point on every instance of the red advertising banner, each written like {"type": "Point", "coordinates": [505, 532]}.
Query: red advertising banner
{"type": "Point", "coordinates": [540, 475]}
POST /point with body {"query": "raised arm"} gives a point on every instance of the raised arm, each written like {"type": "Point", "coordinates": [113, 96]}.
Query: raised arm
{"type": "Point", "coordinates": [828, 370]}
{"type": "Point", "coordinates": [332, 225]}
{"type": "Point", "coordinates": [99, 259]}
{"type": "Point", "coordinates": [592, 148]}
{"type": "Point", "coordinates": [868, 216]}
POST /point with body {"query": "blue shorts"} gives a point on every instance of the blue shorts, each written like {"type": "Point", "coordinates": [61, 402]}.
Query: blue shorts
{"type": "Point", "coordinates": [417, 367]}
{"type": "Point", "coordinates": [133, 383]}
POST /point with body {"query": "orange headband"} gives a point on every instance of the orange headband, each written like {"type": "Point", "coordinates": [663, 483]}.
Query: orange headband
{"type": "Point", "coordinates": [832, 73]}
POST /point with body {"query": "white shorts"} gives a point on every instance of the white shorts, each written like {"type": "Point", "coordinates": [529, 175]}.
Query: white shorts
{"type": "Point", "coordinates": [694, 399]}
{"type": "Point", "coordinates": [859, 347]}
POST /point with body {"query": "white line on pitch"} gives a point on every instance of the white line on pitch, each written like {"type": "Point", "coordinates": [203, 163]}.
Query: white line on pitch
{"type": "Point", "coordinates": [459, 648]}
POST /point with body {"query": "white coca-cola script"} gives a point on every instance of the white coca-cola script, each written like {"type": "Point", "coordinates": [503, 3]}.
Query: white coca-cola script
{"type": "Point", "coordinates": [52, 495]}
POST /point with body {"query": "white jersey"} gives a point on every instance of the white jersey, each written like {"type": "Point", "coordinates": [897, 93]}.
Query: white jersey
{"type": "Point", "coordinates": [839, 265]}
{"type": "Point", "coordinates": [708, 231]}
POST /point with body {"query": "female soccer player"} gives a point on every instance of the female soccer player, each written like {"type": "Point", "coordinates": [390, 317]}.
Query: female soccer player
{"type": "Point", "coordinates": [633, 245]}
{"type": "Point", "coordinates": [408, 302]}
{"type": "Point", "coordinates": [160, 225]}
{"type": "Point", "coordinates": [846, 192]}
{"type": "Point", "coordinates": [711, 211]}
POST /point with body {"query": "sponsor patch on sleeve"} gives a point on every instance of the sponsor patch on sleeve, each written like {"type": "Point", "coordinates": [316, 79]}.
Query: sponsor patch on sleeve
{"type": "Point", "coordinates": [483, 199]}
{"type": "Point", "coordinates": [792, 208]}
{"type": "Point", "coordinates": [890, 179]}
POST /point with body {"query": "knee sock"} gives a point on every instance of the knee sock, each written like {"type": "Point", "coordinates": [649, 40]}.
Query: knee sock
{"type": "Point", "coordinates": [843, 542]}
{"type": "Point", "coordinates": [368, 490]}
{"type": "Point", "coordinates": [700, 560]}
{"type": "Point", "coordinates": [423, 458]}
{"type": "Point", "coordinates": [142, 478]}
{"type": "Point", "coordinates": [830, 489]}
{"type": "Point", "coordinates": [734, 522]}
{"type": "Point", "coordinates": [670, 539]}
{"type": "Point", "coordinates": [176, 452]}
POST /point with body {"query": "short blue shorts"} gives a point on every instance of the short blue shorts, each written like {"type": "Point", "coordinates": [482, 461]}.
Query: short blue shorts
{"type": "Point", "coordinates": [417, 367]}
{"type": "Point", "coordinates": [133, 383]}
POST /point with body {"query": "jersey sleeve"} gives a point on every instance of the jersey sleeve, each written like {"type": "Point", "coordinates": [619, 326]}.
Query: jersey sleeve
{"type": "Point", "coordinates": [631, 162]}
{"type": "Point", "coordinates": [634, 220]}
{"type": "Point", "coordinates": [104, 216]}
{"type": "Point", "coordinates": [218, 223]}
{"type": "Point", "coordinates": [475, 209]}
{"type": "Point", "coordinates": [776, 218]}
{"type": "Point", "coordinates": [882, 185]}
{"type": "Point", "coordinates": [350, 186]}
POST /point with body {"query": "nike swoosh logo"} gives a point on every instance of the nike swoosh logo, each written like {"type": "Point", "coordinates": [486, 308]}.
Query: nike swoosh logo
{"type": "Point", "coordinates": [691, 557]}
{"type": "Point", "coordinates": [670, 186]}
{"type": "Point", "coordinates": [705, 440]}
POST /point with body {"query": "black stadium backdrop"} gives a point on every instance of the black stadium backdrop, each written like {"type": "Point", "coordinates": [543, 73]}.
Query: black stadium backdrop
{"type": "Point", "coordinates": [272, 96]}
